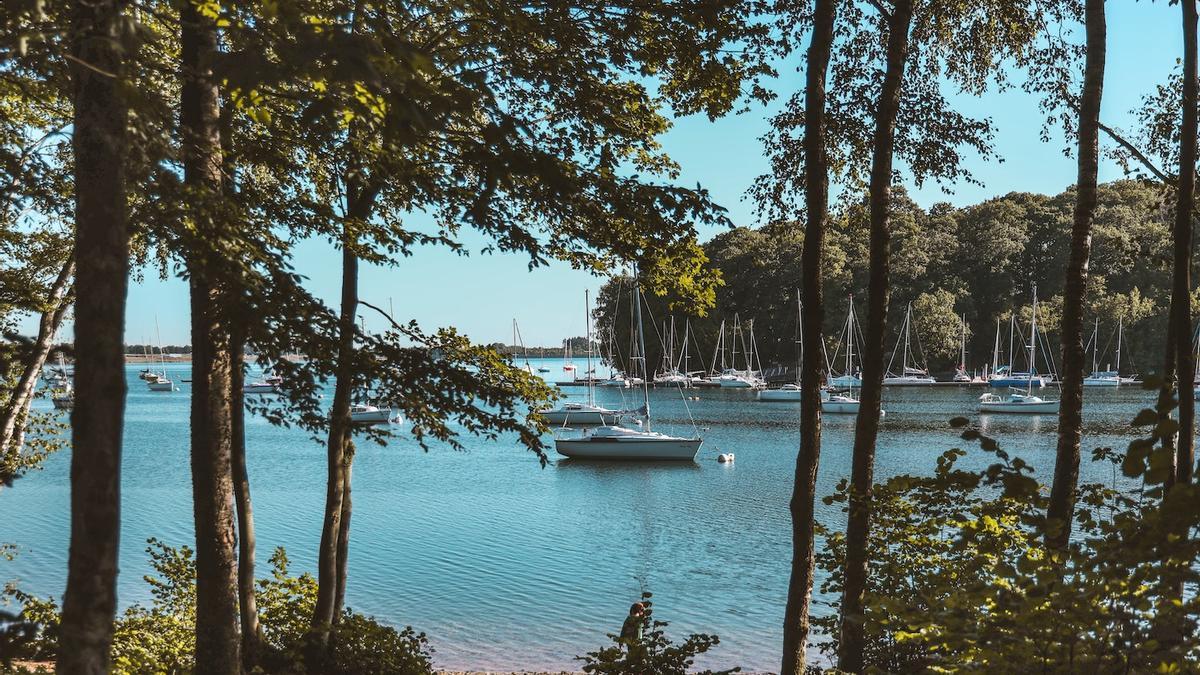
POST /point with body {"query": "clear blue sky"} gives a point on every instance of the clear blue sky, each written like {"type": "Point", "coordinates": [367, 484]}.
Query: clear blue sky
{"type": "Point", "coordinates": [481, 294]}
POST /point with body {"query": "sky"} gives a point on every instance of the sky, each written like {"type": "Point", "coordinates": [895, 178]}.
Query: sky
{"type": "Point", "coordinates": [482, 294]}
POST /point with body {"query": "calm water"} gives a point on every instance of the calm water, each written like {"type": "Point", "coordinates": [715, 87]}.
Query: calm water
{"type": "Point", "coordinates": [510, 566]}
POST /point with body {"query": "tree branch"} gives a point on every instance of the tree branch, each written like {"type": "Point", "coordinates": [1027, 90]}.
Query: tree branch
{"type": "Point", "coordinates": [1135, 153]}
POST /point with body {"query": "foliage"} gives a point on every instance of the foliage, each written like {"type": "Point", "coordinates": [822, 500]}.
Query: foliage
{"type": "Point", "coordinates": [961, 582]}
{"type": "Point", "coordinates": [981, 260]}
{"type": "Point", "coordinates": [654, 654]}
{"type": "Point", "coordinates": [161, 638]}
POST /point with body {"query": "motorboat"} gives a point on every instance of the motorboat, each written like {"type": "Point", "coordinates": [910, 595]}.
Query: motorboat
{"type": "Point", "coordinates": [364, 414]}
{"type": "Point", "coordinates": [1017, 403]}
{"type": "Point", "coordinates": [620, 443]}
{"type": "Point", "coordinates": [269, 385]}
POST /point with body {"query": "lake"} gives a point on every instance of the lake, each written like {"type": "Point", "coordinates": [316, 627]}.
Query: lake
{"type": "Point", "coordinates": [510, 566]}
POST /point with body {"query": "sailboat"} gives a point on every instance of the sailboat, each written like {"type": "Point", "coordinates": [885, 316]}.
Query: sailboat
{"type": "Point", "coordinates": [742, 379]}
{"type": "Point", "coordinates": [909, 375]}
{"type": "Point", "coordinates": [583, 414]}
{"type": "Point", "coordinates": [517, 341]}
{"type": "Point", "coordinates": [1104, 378]}
{"type": "Point", "coordinates": [367, 414]}
{"type": "Point", "coordinates": [63, 392]}
{"type": "Point", "coordinates": [850, 377]}
{"type": "Point", "coordinates": [790, 391]}
{"type": "Point", "coordinates": [1018, 401]}
{"type": "Point", "coordinates": [670, 375]}
{"type": "Point", "coordinates": [568, 367]}
{"type": "Point", "coordinates": [542, 368]}
{"type": "Point", "coordinates": [960, 373]}
{"type": "Point", "coordinates": [160, 381]}
{"type": "Point", "coordinates": [1003, 375]}
{"type": "Point", "coordinates": [619, 443]}
{"type": "Point", "coordinates": [147, 373]}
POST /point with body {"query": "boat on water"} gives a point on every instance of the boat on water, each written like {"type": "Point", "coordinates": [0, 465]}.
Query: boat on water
{"type": "Point", "coordinates": [732, 377]}
{"type": "Point", "coordinates": [851, 375]}
{"type": "Point", "coordinates": [909, 375]}
{"type": "Point", "coordinates": [365, 414]}
{"type": "Point", "coordinates": [791, 391]}
{"type": "Point", "coordinates": [1003, 376]}
{"type": "Point", "coordinates": [843, 404]}
{"type": "Point", "coordinates": [1112, 376]}
{"type": "Point", "coordinates": [1021, 401]}
{"type": "Point", "coordinates": [267, 385]}
{"type": "Point", "coordinates": [610, 442]}
{"type": "Point", "coordinates": [961, 375]}
{"type": "Point", "coordinates": [583, 414]}
{"type": "Point", "coordinates": [788, 392]}
{"type": "Point", "coordinates": [63, 399]}
{"type": "Point", "coordinates": [159, 381]}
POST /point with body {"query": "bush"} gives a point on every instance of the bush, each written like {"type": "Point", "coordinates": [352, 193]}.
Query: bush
{"type": "Point", "coordinates": [655, 654]}
{"type": "Point", "coordinates": [161, 638]}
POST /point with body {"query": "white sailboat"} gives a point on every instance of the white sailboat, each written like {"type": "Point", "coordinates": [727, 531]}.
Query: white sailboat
{"type": "Point", "coordinates": [909, 375]}
{"type": "Point", "coordinates": [366, 414]}
{"type": "Point", "coordinates": [671, 375]}
{"type": "Point", "coordinates": [1104, 378]}
{"type": "Point", "coordinates": [960, 373]}
{"type": "Point", "coordinates": [1017, 401]}
{"type": "Point", "coordinates": [748, 378]}
{"type": "Point", "coordinates": [583, 414]}
{"type": "Point", "coordinates": [790, 391]}
{"type": "Point", "coordinates": [267, 385]}
{"type": "Point", "coordinates": [619, 443]}
{"type": "Point", "coordinates": [850, 377]}
{"type": "Point", "coordinates": [62, 392]}
{"type": "Point", "coordinates": [518, 341]}
{"type": "Point", "coordinates": [1003, 375]}
{"type": "Point", "coordinates": [159, 381]}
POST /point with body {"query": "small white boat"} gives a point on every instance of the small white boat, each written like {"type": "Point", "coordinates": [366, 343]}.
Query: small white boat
{"type": "Point", "coordinates": [740, 380]}
{"type": "Point", "coordinates": [160, 383]}
{"type": "Point", "coordinates": [580, 414]}
{"type": "Point", "coordinates": [843, 404]}
{"type": "Point", "coordinates": [1017, 403]}
{"type": "Point", "coordinates": [361, 413]}
{"type": "Point", "coordinates": [962, 377]}
{"type": "Point", "coordinates": [611, 442]}
{"type": "Point", "coordinates": [788, 392]}
{"type": "Point", "coordinates": [1105, 378]}
{"type": "Point", "coordinates": [909, 375]}
{"type": "Point", "coordinates": [269, 385]}
{"type": "Point", "coordinates": [614, 381]}
{"type": "Point", "coordinates": [908, 380]}
{"type": "Point", "coordinates": [672, 379]}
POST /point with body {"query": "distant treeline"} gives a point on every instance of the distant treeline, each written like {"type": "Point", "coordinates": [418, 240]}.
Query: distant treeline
{"type": "Point", "coordinates": [578, 347]}
{"type": "Point", "coordinates": [981, 260]}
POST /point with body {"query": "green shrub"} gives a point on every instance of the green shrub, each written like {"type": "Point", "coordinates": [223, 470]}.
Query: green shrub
{"type": "Point", "coordinates": [654, 654]}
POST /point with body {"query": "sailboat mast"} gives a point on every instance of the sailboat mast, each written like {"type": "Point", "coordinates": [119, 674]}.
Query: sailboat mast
{"type": "Point", "coordinates": [962, 355]}
{"type": "Point", "coordinates": [162, 359]}
{"type": "Point", "coordinates": [1033, 341]}
{"type": "Point", "coordinates": [1012, 331]}
{"type": "Point", "coordinates": [1120, 329]}
{"type": "Point", "coordinates": [587, 321]}
{"type": "Point", "coordinates": [637, 308]}
{"type": "Point", "coordinates": [1096, 345]}
{"type": "Point", "coordinates": [907, 321]}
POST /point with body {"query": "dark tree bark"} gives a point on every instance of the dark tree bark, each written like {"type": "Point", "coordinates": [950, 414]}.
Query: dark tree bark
{"type": "Point", "coordinates": [816, 179]}
{"type": "Point", "coordinates": [1061, 509]}
{"type": "Point", "coordinates": [247, 601]}
{"type": "Point", "coordinates": [343, 543]}
{"type": "Point", "coordinates": [1181, 299]}
{"type": "Point", "coordinates": [57, 301]}
{"type": "Point", "coordinates": [862, 473]}
{"type": "Point", "coordinates": [217, 639]}
{"type": "Point", "coordinates": [102, 252]}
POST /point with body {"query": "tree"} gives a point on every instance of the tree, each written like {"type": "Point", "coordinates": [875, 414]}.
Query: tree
{"type": "Point", "coordinates": [217, 605]}
{"type": "Point", "coordinates": [816, 191]}
{"type": "Point", "coordinates": [100, 45]}
{"type": "Point", "coordinates": [1070, 419]}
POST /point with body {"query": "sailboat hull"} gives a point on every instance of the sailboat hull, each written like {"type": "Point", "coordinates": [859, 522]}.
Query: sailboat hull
{"type": "Point", "coordinates": [1017, 382]}
{"type": "Point", "coordinates": [1017, 407]}
{"type": "Point", "coordinates": [779, 395]}
{"type": "Point", "coordinates": [647, 449]}
{"type": "Point", "coordinates": [908, 381]}
{"type": "Point", "coordinates": [161, 386]}
{"type": "Point", "coordinates": [580, 417]}
{"type": "Point", "coordinates": [846, 381]}
{"type": "Point", "coordinates": [1102, 381]}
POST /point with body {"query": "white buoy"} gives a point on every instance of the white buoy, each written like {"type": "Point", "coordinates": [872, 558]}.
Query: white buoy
{"type": "Point", "coordinates": [725, 458]}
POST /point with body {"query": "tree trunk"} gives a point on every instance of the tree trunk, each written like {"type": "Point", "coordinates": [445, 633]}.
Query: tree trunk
{"type": "Point", "coordinates": [1185, 204]}
{"type": "Point", "coordinates": [217, 639]}
{"type": "Point", "coordinates": [339, 431]}
{"type": "Point", "coordinates": [862, 474]}
{"type": "Point", "coordinates": [102, 252]}
{"type": "Point", "coordinates": [343, 544]}
{"type": "Point", "coordinates": [247, 602]}
{"type": "Point", "coordinates": [795, 621]}
{"type": "Point", "coordinates": [1061, 509]}
{"type": "Point", "coordinates": [14, 414]}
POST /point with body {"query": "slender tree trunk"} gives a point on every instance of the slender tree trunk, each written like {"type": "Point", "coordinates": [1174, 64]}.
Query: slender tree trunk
{"type": "Point", "coordinates": [339, 431]}
{"type": "Point", "coordinates": [1185, 204]}
{"type": "Point", "coordinates": [247, 602]}
{"type": "Point", "coordinates": [102, 252]}
{"type": "Point", "coordinates": [343, 543]}
{"type": "Point", "coordinates": [1070, 416]}
{"type": "Point", "coordinates": [862, 473]}
{"type": "Point", "coordinates": [217, 640]}
{"type": "Point", "coordinates": [796, 620]}
{"type": "Point", "coordinates": [17, 409]}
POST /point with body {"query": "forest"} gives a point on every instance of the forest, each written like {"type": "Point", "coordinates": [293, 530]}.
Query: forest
{"type": "Point", "coordinates": [981, 261]}
{"type": "Point", "coordinates": [205, 141]}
